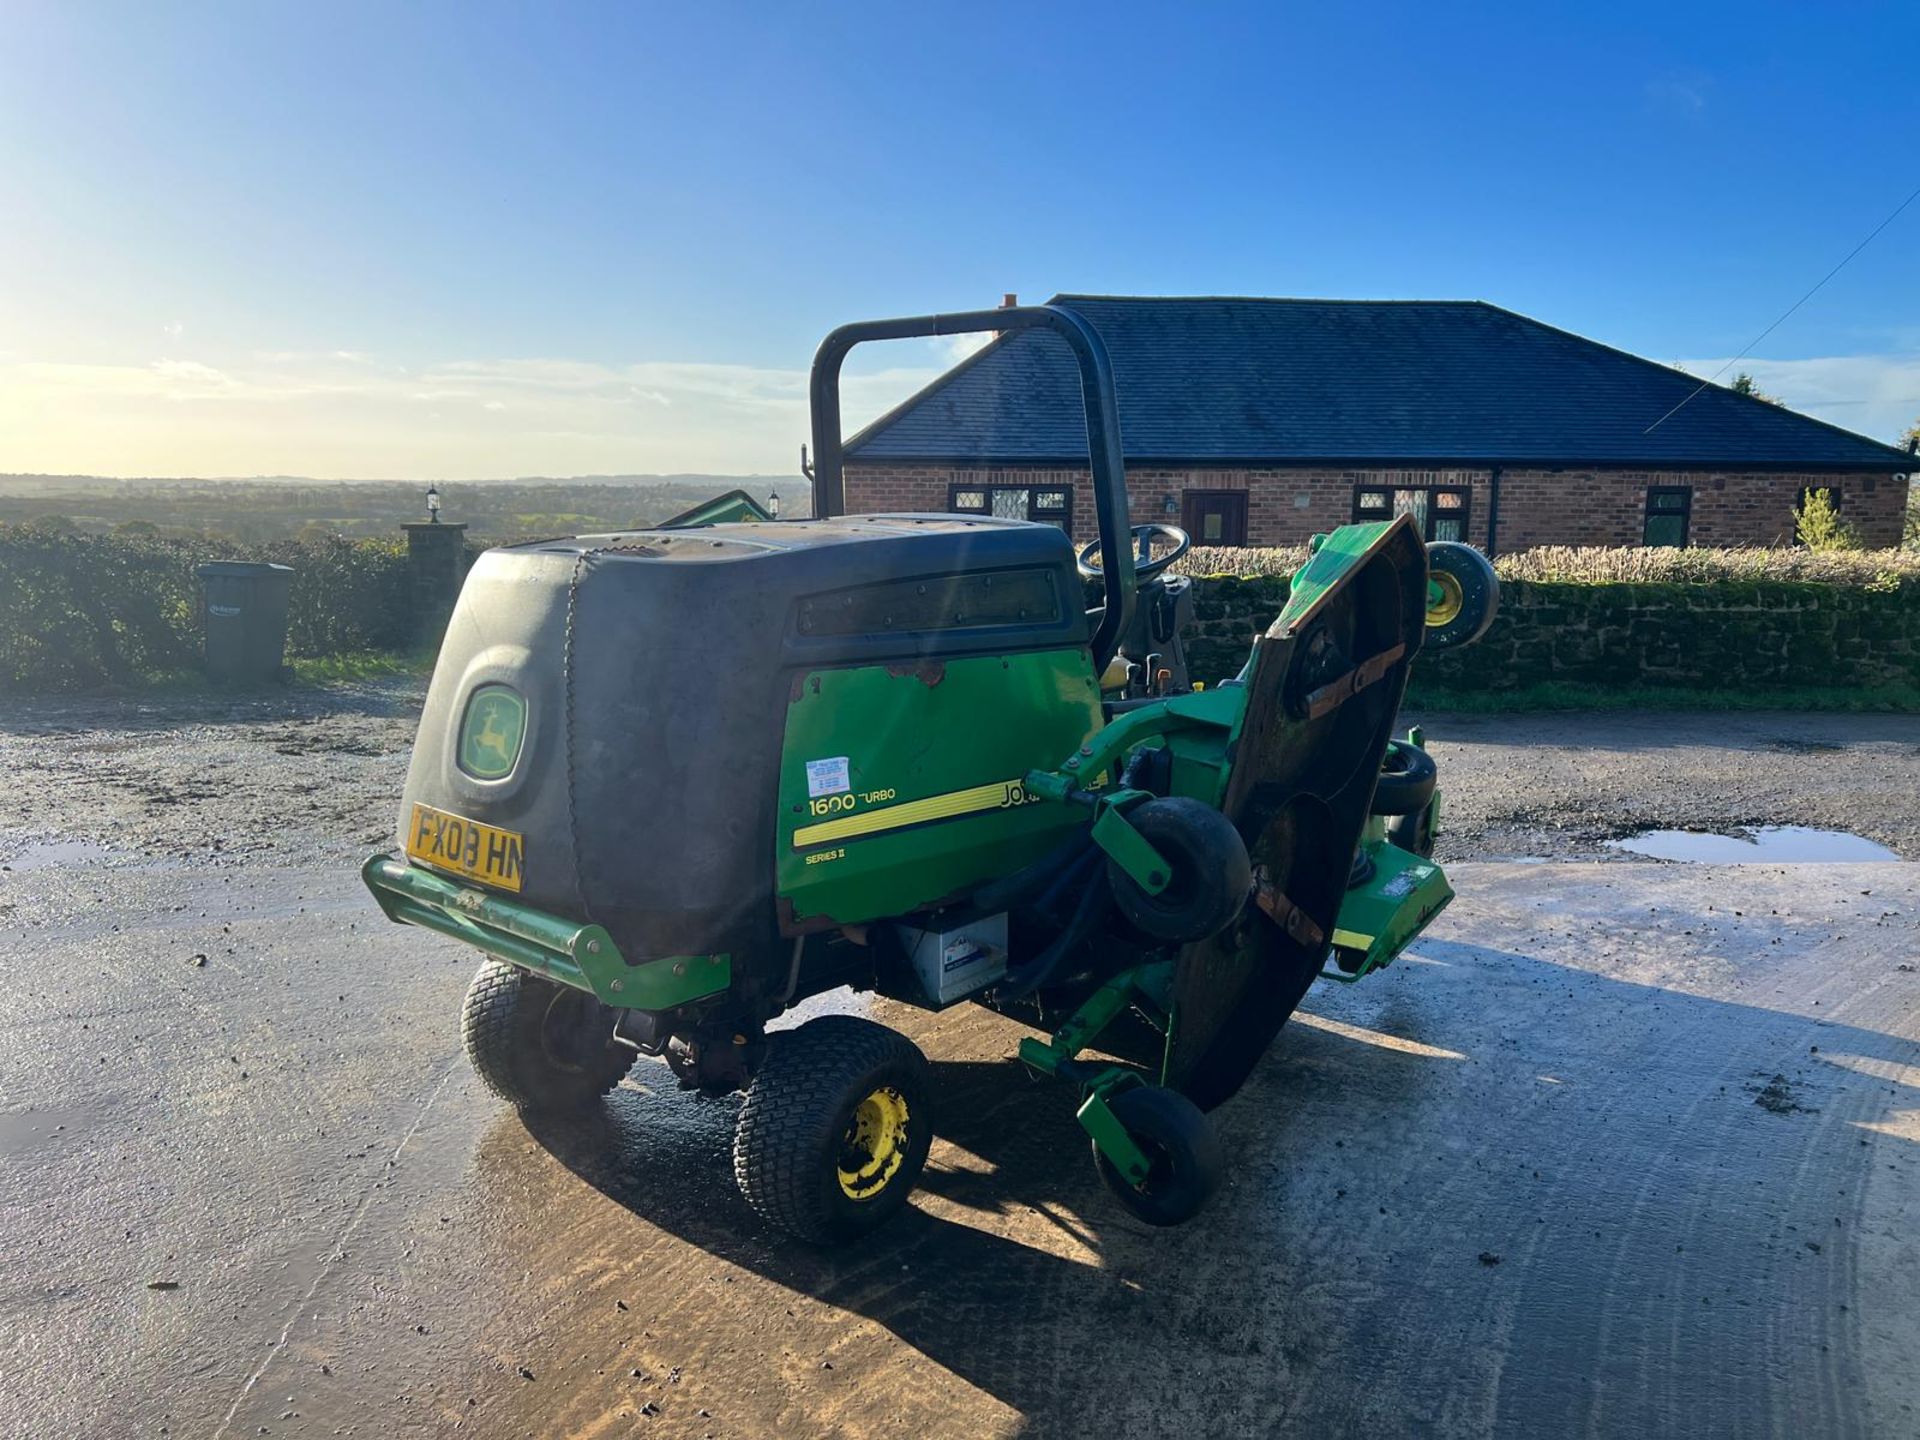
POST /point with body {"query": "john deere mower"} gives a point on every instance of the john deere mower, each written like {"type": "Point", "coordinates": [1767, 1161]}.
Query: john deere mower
{"type": "Point", "coordinates": [673, 782]}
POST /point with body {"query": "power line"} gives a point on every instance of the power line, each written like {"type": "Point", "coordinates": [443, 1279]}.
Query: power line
{"type": "Point", "coordinates": [1785, 313]}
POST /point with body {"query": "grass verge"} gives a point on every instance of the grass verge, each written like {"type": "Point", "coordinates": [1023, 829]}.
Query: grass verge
{"type": "Point", "coordinates": [364, 665]}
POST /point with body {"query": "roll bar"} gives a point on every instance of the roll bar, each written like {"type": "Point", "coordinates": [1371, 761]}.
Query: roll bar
{"type": "Point", "coordinates": [1108, 465]}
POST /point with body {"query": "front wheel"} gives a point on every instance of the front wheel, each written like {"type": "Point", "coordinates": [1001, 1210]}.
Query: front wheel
{"type": "Point", "coordinates": [1183, 1155]}
{"type": "Point", "coordinates": [540, 1046]}
{"type": "Point", "coordinates": [835, 1128]}
{"type": "Point", "coordinates": [1211, 873]}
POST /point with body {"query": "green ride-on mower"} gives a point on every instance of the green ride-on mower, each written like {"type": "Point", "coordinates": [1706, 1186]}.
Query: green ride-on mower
{"type": "Point", "coordinates": [673, 782]}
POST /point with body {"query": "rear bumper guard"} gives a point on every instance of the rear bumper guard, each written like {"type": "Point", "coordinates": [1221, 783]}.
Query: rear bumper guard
{"type": "Point", "coordinates": [583, 956]}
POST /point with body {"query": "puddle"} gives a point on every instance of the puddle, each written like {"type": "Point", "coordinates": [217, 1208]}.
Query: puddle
{"type": "Point", "coordinates": [54, 853]}
{"type": "Point", "coordinates": [23, 1131]}
{"type": "Point", "coordinates": [1792, 844]}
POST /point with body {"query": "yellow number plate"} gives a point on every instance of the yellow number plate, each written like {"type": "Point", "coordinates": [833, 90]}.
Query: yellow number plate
{"type": "Point", "coordinates": [480, 852]}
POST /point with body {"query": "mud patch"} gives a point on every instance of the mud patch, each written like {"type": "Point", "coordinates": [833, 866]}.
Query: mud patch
{"type": "Point", "coordinates": [1787, 745]}
{"type": "Point", "coordinates": [319, 739]}
{"type": "Point", "coordinates": [1778, 1097]}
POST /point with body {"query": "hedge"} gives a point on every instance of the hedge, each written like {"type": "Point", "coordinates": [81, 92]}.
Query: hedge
{"type": "Point", "coordinates": [1873, 569]}
{"type": "Point", "coordinates": [1764, 634]}
{"type": "Point", "coordinates": [79, 612]}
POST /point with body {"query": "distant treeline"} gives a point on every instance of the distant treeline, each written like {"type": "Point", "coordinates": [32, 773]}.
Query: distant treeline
{"type": "Point", "coordinates": [259, 511]}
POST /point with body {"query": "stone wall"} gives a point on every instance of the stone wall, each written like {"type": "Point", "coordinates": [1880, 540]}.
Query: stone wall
{"type": "Point", "coordinates": [1726, 635]}
{"type": "Point", "coordinates": [1537, 507]}
{"type": "Point", "coordinates": [1741, 635]}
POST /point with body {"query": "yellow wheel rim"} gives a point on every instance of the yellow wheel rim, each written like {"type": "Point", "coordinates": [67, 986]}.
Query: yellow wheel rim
{"type": "Point", "coordinates": [875, 1145]}
{"type": "Point", "coordinates": [1445, 599]}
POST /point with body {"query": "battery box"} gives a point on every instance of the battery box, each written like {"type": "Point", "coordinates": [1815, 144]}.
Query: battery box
{"type": "Point", "coordinates": [951, 964]}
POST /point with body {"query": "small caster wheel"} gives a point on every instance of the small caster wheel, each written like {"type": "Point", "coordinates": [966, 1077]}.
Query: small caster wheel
{"type": "Point", "coordinates": [835, 1128]}
{"type": "Point", "coordinates": [1407, 780]}
{"type": "Point", "coordinates": [1181, 1149]}
{"type": "Point", "coordinates": [1211, 873]}
{"type": "Point", "coordinates": [540, 1046]}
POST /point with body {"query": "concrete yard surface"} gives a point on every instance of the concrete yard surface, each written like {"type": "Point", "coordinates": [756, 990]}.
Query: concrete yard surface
{"type": "Point", "coordinates": [1622, 1147]}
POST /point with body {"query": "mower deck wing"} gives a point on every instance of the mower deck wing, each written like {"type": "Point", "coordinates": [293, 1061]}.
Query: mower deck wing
{"type": "Point", "coordinates": [1324, 689]}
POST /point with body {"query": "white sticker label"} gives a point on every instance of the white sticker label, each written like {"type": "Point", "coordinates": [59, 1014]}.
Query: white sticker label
{"type": "Point", "coordinates": [827, 777]}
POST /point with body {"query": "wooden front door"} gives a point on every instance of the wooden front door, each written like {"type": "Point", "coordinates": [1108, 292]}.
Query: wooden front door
{"type": "Point", "coordinates": [1214, 517]}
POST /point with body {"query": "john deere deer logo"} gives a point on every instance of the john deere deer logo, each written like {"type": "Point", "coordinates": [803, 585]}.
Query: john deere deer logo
{"type": "Point", "coordinates": [491, 742]}
{"type": "Point", "coordinates": [493, 738]}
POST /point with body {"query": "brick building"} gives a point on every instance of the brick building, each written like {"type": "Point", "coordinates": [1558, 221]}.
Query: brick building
{"type": "Point", "coordinates": [1260, 422]}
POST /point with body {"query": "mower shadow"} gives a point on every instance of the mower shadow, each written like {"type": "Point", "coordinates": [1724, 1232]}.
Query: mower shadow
{"type": "Point", "coordinates": [1599, 1189]}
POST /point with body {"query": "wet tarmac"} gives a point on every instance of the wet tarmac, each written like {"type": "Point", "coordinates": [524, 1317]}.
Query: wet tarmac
{"type": "Point", "coordinates": [1621, 1148]}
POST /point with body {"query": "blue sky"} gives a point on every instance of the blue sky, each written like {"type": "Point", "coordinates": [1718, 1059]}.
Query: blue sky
{"type": "Point", "coordinates": [455, 240]}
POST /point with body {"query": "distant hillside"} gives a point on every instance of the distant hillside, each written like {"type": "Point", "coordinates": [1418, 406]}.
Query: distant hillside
{"type": "Point", "coordinates": [282, 506]}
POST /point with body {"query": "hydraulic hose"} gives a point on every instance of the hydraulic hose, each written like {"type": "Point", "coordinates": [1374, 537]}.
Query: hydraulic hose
{"type": "Point", "coordinates": [1090, 910]}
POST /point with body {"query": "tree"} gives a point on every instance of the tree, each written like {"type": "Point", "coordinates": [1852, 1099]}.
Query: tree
{"type": "Point", "coordinates": [1745, 384]}
{"type": "Point", "coordinates": [1819, 526]}
{"type": "Point", "coordinates": [1910, 442]}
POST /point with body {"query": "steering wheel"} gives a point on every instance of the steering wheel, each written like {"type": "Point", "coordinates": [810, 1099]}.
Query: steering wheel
{"type": "Point", "coordinates": [1142, 537]}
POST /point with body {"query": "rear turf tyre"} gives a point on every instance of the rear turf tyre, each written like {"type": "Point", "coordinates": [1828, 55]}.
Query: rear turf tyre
{"type": "Point", "coordinates": [835, 1128]}
{"type": "Point", "coordinates": [1180, 1145]}
{"type": "Point", "coordinates": [1463, 594]}
{"type": "Point", "coordinates": [1211, 873]}
{"type": "Point", "coordinates": [542, 1047]}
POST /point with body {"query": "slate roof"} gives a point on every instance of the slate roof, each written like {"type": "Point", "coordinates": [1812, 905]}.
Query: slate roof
{"type": "Point", "coordinates": [1212, 380]}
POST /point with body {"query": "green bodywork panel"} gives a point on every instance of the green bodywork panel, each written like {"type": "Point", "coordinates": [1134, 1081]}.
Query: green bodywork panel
{"type": "Point", "coordinates": [734, 507]}
{"type": "Point", "coordinates": [1380, 917]}
{"type": "Point", "coordinates": [905, 785]}
{"type": "Point", "coordinates": [583, 956]}
{"type": "Point", "coordinates": [1333, 557]}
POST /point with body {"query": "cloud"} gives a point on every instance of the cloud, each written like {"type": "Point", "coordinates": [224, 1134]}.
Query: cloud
{"type": "Point", "coordinates": [959, 347]}
{"type": "Point", "coordinates": [1873, 395]}
{"type": "Point", "coordinates": [346, 413]}
{"type": "Point", "coordinates": [1680, 93]}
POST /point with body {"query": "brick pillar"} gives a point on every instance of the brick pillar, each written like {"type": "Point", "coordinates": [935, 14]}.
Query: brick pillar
{"type": "Point", "coordinates": [436, 564]}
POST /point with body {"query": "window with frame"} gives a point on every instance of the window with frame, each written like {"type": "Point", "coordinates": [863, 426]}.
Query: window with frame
{"type": "Point", "coordinates": [1669, 515]}
{"type": "Point", "coordinates": [1441, 511]}
{"type": "Point", "coordinates": [1044, 504]}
